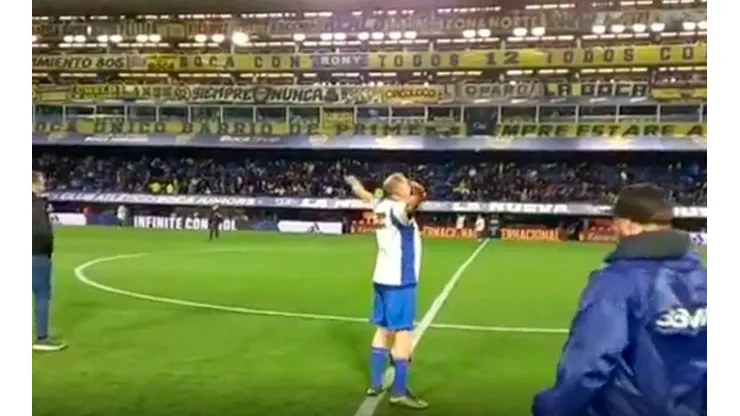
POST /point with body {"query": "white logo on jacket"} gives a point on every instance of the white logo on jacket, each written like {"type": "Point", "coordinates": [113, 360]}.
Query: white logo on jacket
{"type": "Point", "coordinates": [682, 319]}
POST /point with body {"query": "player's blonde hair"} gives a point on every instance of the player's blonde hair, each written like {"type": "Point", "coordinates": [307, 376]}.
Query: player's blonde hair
{"type": "Point", "coordinates": [390, 184]}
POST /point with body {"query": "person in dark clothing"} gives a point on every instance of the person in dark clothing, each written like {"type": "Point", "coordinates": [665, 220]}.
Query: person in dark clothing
{"type": "Point", "coordinates": [214, 223]}
{"type": "Point", "coordinates": [43, 248]}
{"type": "Point", "coordinates": [638, 343]}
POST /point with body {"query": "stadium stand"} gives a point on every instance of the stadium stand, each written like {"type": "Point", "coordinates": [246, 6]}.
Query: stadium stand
{"type": "Point", "coordinates": [497, 85]}
{"type": "Point", "coordinates": [519, 178]}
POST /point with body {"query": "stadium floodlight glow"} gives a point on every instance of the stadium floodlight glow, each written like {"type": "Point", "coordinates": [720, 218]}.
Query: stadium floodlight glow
{"type": "Point", "coordinates": [538, 31]}
{"type": "Point", "coordinates": [689, 26]}
{"type": "Point", "coordinates": [409, 34]}
{"type": "Point", "coordinates": [201, 38]}
{"type": "Point", "coordinates": [378, 35]}
{"type": "Point", "coordinates": [116, 38]}
{"type": "Point", "coordinates": [639, 28]}
{"type": "Point", "coordinates": [155, 38]}
{"type": "Point", "coordinates": [657, 27]}
{"type": "Point", "coordinates": [340, 36]}
{"type": "Point", "coordinates": [470, 33]}
{"type": "Point", "coordinates": [702, 25]}
{"type": "Point", "coordinates": [484, 33]}
{"type": "Point", "coordinates": [326, 36]}
{"type": "Point", "coordinates": [80, 39]}
{"type": "Point", "coordinates": [68, 38]}
{"type": "Point", "coordinates": [520, 32]}
{"type": "Point", "coordinates": [299, 37]}
{"type": "Point", "coordinates": [598, 29]}
{"type": "Point", "coordinates": [363, 36]}
{"type": "Point", "coordinates": [218, 38]}
{"type": "Point", "coordinates": [395, 35]}
{"type": "Point", "coordinates": [239, 38]}
{"type": "Point", "coordinates": [103, 38]}
{"type": "Point", "coordinates": [142, 38]}
{"type": "Point", "coordinates": [618, 28]}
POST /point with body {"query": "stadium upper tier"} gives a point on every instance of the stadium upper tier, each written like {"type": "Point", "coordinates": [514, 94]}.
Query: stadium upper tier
{"type": "Point", "coordinates": [399, 46]}
{"type": "Point", "coordinates": [479, 25]}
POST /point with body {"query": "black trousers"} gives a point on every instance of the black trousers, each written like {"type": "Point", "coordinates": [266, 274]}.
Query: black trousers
{"type": "Point", "coordinates": [213, 232]}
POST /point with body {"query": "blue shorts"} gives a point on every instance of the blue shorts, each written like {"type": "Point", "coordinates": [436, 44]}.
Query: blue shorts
{"type": "Point", "coordinates": [41, 276]}
{"type": "Point", "coordinates": [394, 307]}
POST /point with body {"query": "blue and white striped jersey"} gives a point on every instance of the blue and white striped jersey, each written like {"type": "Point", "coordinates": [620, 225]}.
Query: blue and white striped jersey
{"type": "Point", "coordinates": [399, 245]}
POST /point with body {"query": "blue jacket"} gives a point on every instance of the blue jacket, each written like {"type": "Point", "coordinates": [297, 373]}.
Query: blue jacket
{"type": "Point", "coordinates": [638, 343]}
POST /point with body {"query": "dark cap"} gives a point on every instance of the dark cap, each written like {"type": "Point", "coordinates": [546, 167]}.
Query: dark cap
{"type": "Point", "coordinates": [644, 204]}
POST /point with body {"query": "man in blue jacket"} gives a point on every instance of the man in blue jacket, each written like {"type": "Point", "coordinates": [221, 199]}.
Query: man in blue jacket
{"type": "Point", "coordinates": [638, 343]}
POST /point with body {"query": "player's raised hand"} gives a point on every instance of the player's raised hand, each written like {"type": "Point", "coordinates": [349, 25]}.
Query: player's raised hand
{"type": "Point", "coordinates": [358, 189]}
{"type": "Point", "coordinates": [352, 181]}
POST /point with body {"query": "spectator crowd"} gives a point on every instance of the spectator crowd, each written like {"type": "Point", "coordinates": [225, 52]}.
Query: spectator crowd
{"type": "Point", "coordinates": [502, 177]}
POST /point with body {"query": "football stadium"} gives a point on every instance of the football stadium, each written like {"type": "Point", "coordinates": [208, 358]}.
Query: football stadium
{"type": "Point", "coordinates": [522, 119]}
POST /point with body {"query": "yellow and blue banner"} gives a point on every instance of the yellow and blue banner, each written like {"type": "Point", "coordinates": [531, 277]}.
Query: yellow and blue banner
{"type": "Point", "coordinates": [369, 128]}
{"type": "Point", "coordinates": [638, 55]}
{"type": "Point", "coordinates": [348, 95]}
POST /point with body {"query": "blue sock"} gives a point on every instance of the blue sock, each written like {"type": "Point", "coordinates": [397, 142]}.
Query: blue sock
{"type": "Point", "coordinates": [400, 382]}
{"type": "Point", "coordinates": [390, 359]}
{"type": "Point", "coordinates": [378, 362]}
{"type": "Point", "coordinates": [41, 316]}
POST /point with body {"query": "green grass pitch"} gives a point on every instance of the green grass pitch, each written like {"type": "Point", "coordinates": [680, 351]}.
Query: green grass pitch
{"type": "Point", "coordinates": [488, 355]}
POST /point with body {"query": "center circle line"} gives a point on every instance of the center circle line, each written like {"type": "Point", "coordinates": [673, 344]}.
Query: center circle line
{"type": "Point", "coordinates": [81, 274]}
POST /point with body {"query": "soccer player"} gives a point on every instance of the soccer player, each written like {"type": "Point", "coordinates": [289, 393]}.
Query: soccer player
{"type": "Point", "coordinates": [394, 283]}
{"type": "Point", "coordinates": [214, 223]}
{"type": "Point", "coordinates": [480, 227]}
{"type": "Point", "coordinates": [121, 215]}
{"type": "Point", "coordinates": [638, 343]}
{"type": "Point", "coordinates": [42, 249]}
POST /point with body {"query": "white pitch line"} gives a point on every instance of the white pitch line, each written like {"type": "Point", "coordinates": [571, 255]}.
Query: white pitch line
{"type": "Point", "coordinates": [510, 329]}
{"type": "Point", "coordinates": [83, 278]}
{"type": "Point", "coordinates": [80, 274]}
{"type": "Point", "coordinates": [370, 404]}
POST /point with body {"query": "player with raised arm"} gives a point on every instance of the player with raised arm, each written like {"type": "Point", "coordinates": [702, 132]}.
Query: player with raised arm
{"type": "Point", "coordinates": [394, 282]}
